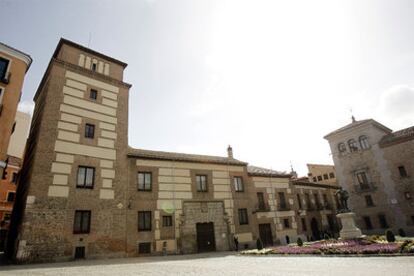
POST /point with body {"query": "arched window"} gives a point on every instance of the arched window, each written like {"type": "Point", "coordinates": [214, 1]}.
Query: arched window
{"type": "Point", "coordinates": [363, 142]}
{"type": "Point", "coordinates": [341, 147]}
{"type": "Point", "coordinates": [353, 146]}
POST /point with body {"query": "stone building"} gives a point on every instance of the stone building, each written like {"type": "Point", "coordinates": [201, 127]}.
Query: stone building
{"type": "Point", "coordinates": [83, 193]}
{"type": "Point", "coordinates": [322, 174]}
{"type": "Point", "coordinates": [376, 165]}
{"type": "Point", "coordinates": [13, 67]}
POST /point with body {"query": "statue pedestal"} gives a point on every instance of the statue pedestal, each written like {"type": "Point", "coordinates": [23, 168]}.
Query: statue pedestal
{"type": "Point", "coordinates": [349, 229]}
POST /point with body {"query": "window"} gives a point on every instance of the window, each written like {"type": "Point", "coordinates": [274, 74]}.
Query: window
{"type": "Point", "coordinates": [341, 147]}
{"type": "Point", "coordinates": [86, 177]}
{"type": "Point", "coordinates": [403, 172]}
{"type": "Point", "coordinates": [286, 223]}
{"type": "Point", "coordinates": [331, 175]}
{"type": "Point", "coordinates": [261, 201]}
{"type": "Point", "coordinates": [93, 94]}
{"type": "Point", "coordinates": [368, 224]}
{"type": "Point", "coordinates": [243, 219]}
{"type": "Point", "coordinates": [282, 201]}
{"type": "Point", "coordinates": [144, 221]}
{"type": "Point", "coordinates": [201, 181]}
{"type": "Point", "coordinates": [383, 221]}
{"type": "Point", "coordinates": [94, 67]}
{"type": "Point", "coordinates": [362, 180]}
{"type": "Point", "coordinates": [353, 146]}
{"type": "Point", "coordinates": [319, 177]}
{"type": "Point", "coordinates": [308, 201]}
{"type": "Point", "coordinates": [299, 201]}
{"type": "Point", "coordinates": [4, 63]}
{"type": "Point", "coordinates": [363, 142]}
{"type": "Point", "coordinates": [144, 181]}
{"type": "Point", "coordinates": [238, 184]}
{"type": "Point", "coordinates": [144, 247]}
{"type": "Point", "coordinates": [14, 178]}
{"type": "Point", "coordinates": [7, 217]}
{"type": "Point", "coordinates": [11, 196]}
{"type": "Point", "coordinates": [166, 221]}
{"type": "Point", "coordinates": [82, 223]}
{"type": "Point", "coordinates": [314, 179]}
{"type": "Point", "coordinates": [89, 131]}
{"type": "Point", "coordinates": [369, 201]}
{"type": "Point", "coordinates": [325, 200]}
{"type": "Point", "coordinates": [325, 176]}
{"type": "Point", "coordinates": [80, 252]}
{"type": "Point", "coordinates": [304, 227]}
{"type": "Point", "coordinates": [317, 202]}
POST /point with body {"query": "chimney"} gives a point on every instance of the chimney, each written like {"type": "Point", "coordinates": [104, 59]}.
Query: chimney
{"type": "Point", "coordinates": [230, 152]}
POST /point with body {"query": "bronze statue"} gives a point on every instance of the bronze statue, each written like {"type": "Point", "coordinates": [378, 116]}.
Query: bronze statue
{"type": "Point", "coordinates": [343, 198]}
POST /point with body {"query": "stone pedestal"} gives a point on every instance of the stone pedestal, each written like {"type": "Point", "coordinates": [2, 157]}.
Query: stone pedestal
{"type": "Point", "coordinates": [349, 229]}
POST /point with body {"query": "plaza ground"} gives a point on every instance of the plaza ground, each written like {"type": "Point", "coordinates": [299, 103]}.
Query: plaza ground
{"type": "Point", "coordinates": [223, 264]}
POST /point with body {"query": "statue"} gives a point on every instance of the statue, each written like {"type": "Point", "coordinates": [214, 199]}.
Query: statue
{"type": "Point", "coordinates": [343, 198]}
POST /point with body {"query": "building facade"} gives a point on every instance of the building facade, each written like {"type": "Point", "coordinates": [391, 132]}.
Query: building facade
{"type": "Point", "coordinates": [322, 174]}
{"type": "Point", "coordinates": [83, 193]}
{"type": "Point", "coordinates": [375, 165]}
{"type": "Point", "coordinates": [13, 67]}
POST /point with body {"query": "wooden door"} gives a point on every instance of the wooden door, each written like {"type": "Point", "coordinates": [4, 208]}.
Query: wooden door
{"type": "Point", "coordinates": [265, 232]}
{"type": "Point", "coordinates": [205, 237]}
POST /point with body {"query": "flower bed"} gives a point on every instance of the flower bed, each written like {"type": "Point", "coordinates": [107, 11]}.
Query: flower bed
{"type": "Point", "coordinates": [363, 246]}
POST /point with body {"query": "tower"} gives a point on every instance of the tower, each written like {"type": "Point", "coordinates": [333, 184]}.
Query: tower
{"type": "Point", "coordinates": [71, 196]}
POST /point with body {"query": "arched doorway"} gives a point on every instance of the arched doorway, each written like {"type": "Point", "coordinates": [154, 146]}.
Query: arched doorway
{"type": "Point", "coordinates": [315, 229]}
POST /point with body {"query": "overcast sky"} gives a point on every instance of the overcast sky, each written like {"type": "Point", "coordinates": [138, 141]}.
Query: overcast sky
{"type": "Point", "coordinates": [271, 78]}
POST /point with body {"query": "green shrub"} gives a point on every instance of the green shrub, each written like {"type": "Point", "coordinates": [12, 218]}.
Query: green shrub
{"type": "Point", "coordinates": [259, 244]}
{"type": "Point", "coordinates": [390, 236]}
{"type": "Point", "coordinates": [299, 242]}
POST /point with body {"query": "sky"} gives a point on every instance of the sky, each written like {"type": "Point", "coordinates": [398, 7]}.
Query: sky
{"type": "Point", "coordinates": [269, 78]}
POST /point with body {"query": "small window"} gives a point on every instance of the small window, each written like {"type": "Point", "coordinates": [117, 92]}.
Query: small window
{"type": "Point", "coordinates": [14, 177]}
{"type": "Point", "coordinates": [383, 221]}
{"type": "Point", "coordinates": [403, 172]}
{"type": "Point", "coordinates": [243, 219]}
{"type": "Point", "coordinates": [319, 177]}
{"type": "Point", "coordinates": [86, 177]}
{"type": "Point", "coordinates": [94, 67]}
{"type": "Point", "coordinates": [80, 252]}
{"type": "Point", "coordinates": [89, 131]}
{"type": "Point", "coordinates": [362, 179]}
{"type": "Point", "coordinates": [144, 247]}
{"type": "Point", "coordinates": [325, 176]}
{"type": "Point", "coordinates": [368, 223]}
{"type": "Point", "coordinates": [286, 223]}
{"type": "Point", "coordinates": [144, 181]}
{"type": "Point", "coordinates": [353, 146]}
{"type": "Point", "coordinates": [363, 142]}
{"type": "Point", "coordinates": [166, 221]}
{"type": "Point", "coordinates": [341, 147]}
{"type": "Point", "coordinates": [304, 227]}
{"type": "Point", "coordinates": [238, 184]}
{"type": "Point", "coordinates": [325, 200]}
{"type": "Point", "coordinates": [282, 201]}
{"type": "Point", "coordinates": [331, 175]}
{"type": "Point", "coordinates": [144, 221]}
{"type": "Point", "coordinates": [4, 64]}
{"type": "Point", "coordinates": [368, 200]}
{"type": "Point", "coordinates": [93, 94]}
{"type": "Point", "coordinates": [201, 181]}
{"type": "Point", "coordinates": [82, 222]}
{"type": "Point", "coordinates": [314, 179]}
{"type": "Point", "coordinates": [11, 196]}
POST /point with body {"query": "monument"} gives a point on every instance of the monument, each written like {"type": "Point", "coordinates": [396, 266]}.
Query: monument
{"type": "Point", "coordinates": [349, 229]}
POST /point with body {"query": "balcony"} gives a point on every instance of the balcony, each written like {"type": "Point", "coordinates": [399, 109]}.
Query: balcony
{"type": "Point", "coordinates": [283, 208]}
{"type": "Point", "coordinates": [262, 207]}
{"type": "Point", "coordinates": [369, 187]}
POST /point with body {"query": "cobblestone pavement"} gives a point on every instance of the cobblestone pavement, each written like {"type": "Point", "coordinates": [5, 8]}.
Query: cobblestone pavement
{"type": "Point", "coordinates": [223, 264]}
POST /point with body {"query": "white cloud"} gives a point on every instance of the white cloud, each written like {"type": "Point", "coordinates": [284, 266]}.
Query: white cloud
{"type": "Point", "coordinates": [396, 106]}
{"type": "Point", "coordinates": [26, 107]}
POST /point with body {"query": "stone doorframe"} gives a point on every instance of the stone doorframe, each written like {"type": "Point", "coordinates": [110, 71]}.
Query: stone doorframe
{"type": "Point", "coordinates": [200, 212]}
